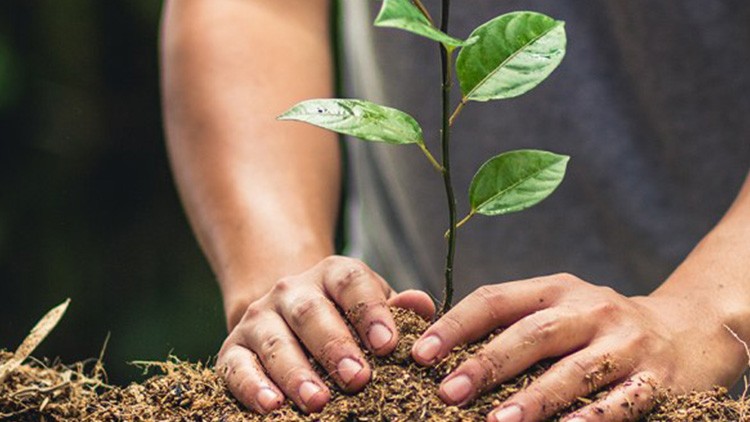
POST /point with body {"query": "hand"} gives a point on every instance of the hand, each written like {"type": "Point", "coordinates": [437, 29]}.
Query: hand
{"type": "Point", "coordinates": [263, 358]}
{"type": "Point", "coordinates": [603, 338]}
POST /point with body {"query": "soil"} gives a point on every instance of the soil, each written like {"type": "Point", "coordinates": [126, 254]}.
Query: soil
{"type": "Point", "coordinates": [400, 390]}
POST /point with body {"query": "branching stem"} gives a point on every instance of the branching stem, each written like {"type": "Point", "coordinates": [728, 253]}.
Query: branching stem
{"type": "Point", "coordinates": [465, 219]}
{"type": "Point", "coordinates": [446, 59]}
{"type": "Point", "coordinates": [457, 111]}
{"type": "Point", "coordinates": [430, 157]}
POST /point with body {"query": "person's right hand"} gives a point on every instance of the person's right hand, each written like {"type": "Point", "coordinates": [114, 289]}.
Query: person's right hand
{"type": "Point", "coordinates": [263, 358]}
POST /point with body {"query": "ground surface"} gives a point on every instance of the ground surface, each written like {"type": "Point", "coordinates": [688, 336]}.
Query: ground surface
{"type": "Point", "coordinates": [399, 391]}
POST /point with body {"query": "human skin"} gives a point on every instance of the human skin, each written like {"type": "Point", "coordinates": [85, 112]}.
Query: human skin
{"type": "Point", "coordinates": [680, 337]}
{"type": "Point", "coordinates": [262, 198]}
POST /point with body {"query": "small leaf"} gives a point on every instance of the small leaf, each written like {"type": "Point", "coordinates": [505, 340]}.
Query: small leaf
{"type": "Point", "coordinates": [360, 118]}
{"type": "Point", "coordinates": [515, 180]}
{"type": "Point", "coordinates": [402, 14]}
{"type": "Point", "coordinates": [512, 54]}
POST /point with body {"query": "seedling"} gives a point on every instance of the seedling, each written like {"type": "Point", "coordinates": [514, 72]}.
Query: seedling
{"type": "Point", "coordinates": [502, 58]}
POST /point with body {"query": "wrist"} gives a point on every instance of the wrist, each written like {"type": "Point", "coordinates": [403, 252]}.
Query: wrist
{"type": "Point", "coordinates": [250, 279]}
{"type": "Point", "coordinates": [713, 286]}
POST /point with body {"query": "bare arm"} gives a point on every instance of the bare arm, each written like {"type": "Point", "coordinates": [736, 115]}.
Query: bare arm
{"type": "Point", "coordinates": [677, 338]}
{"type": "Point", "coordinates": [261, 195]}
{"type": "Point", "coordinates": [716, 274]}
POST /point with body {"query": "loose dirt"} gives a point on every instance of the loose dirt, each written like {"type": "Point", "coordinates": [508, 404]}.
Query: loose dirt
{"type": "Point", "coordinates": [400, 390]}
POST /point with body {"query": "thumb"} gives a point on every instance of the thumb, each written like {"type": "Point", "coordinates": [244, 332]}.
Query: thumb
{"type": "Point", "coordinates": [415, 300]}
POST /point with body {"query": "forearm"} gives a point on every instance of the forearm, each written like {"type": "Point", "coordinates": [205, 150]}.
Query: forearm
{"type": "Point", "coordinates": [716, 274]}
{"type": "Point", "coordinates": [261, 195]}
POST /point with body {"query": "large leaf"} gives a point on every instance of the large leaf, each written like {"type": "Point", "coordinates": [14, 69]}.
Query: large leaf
{"type": "Point", "coordinates": [402, 14]}
{"type": "Point", "coordinates": [515, 180]}
{"type": "Point", "coordinates": [512, 54]}
{"type": "Point", "coordinates": [360, 118]}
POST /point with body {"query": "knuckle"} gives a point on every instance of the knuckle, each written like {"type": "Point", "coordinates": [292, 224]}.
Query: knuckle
{"type": "Point", "coordinates": [332, 260]}
{"type": "Point", "coordinates": [334, 347]}
{"type": "Point", "coordinates": [606, 308]}
{"type": "Point", "coordinates": [580, 368]}
{"type": "Point", "coordinates": [364, 311]}
{"type": "Point", "coordinates": [451, 325]}
{"type": "Point", "coordinates": [304, 309]}
{"type": "Point", "coordinates": [252, 313]}
{"type": "Point", "coordinates": [489, 298]}
{"type": "Point", "coordinates": [556, 284]}
{"type": "Point", "coordinates": [608, 291]}
{"type": "Point", "coordinates": [545, 398]}
{"type": "Point", "coordinates": [245, 388]}
{"type": "Point", "coordinates": [294, 376]}
{"type": "Point", "coordinates": [227, 357]}
{"type": "Point", "coordinates": [348, 277]}
{"type": "Point", "coordinates": [542, 327]}
{"type": "Point", "coordinates": [338, 261]}
{"type": "Point", "coordinates": [485, 367]}
{"type": "Point", "coordinates": [565, 278]}
{"type": "Point", "coordinates": [638, 341]}
{"type": "Point", "coordinates": [335, 260]}
{"type": "Point", "coordinates": [282, 286]}
{"type": "Point", "coordinates": [270, 346]}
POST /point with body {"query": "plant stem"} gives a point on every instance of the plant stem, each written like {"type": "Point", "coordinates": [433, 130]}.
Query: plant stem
{"type": "Point", "coordinates": [430, 157]}
{"type": "Point", "coordinates": [457, 111]}
{"type": "Point", "coordinates": [465, 219]}
{"type": "Point", "coordinates": [461, 223]}
{"type": "Point", "coordinates": [446, 59]}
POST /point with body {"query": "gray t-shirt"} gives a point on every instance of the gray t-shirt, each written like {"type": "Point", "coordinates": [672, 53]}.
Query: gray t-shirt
{"type": "Point", "coordinates": [652, 102]}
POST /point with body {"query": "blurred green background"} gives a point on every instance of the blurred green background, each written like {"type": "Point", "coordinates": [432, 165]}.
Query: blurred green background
{"type": "Point", "coordinates": [88, 209]}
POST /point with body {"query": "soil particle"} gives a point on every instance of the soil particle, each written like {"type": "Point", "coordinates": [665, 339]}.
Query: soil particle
{"type": "Point", "coordinates": [400, 390]}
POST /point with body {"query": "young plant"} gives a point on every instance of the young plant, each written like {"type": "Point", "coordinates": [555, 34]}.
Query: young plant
{"type": "Point", "coordinates": [502, 58]}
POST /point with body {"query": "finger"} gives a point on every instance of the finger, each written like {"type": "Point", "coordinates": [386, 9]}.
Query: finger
{"type": "Point", "coordinates": [628, 401]}
{"type": "Point", "coordinates": [486, 309]}
{"type": "Point", "coordinates": [544, 334]}
{"type": "Point", "coordinates": [318, 324]}
{"type": "Point", "coordinates": [575, 376]}
{"type": "Point", "coordinates": [268, 336]}
{"type": "Point", "coordinates": [415, 300]}
{"type": "Point", "coordinates": [246, 380]}
{"type": "Point", "coordinates": [362, 295]}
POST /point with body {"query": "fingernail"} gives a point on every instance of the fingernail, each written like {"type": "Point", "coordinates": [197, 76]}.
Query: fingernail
{"type": "Point", "coordinates": [457, 389]}
{"type": "Point", "coordinates": [508, 414]}
{"type": "Point", "coordinates": [348, 369]}
{"type": "Point", "coordinates": [268, 399]}
{"type": "Point", "coordinates": [428, 348]}
{"type": "Point", "coordinates": [308, 390]}
{"type": "Point", "coordinates": [379, 335]}
{"type": "Point", "coordinates": [576, 419]}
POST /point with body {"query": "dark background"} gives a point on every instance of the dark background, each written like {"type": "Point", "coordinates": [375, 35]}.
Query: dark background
{"type": "Point", "coordinates": [88, 209]}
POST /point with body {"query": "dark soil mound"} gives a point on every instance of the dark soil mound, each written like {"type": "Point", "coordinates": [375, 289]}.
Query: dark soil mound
{"type": "Point", "coordinates": [400, 390]}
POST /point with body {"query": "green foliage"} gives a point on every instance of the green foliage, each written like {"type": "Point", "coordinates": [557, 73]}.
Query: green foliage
{"type": "Point", "coordinates": [503, 58]}
{"type": "Point", "coordinates": [515, 180]}
{"type": "Point", "coordinates": [363, 119]}
{"type": "Point", "coordinates": [513, 53]}
{"type": "Point", "coordinates": [402, 14]}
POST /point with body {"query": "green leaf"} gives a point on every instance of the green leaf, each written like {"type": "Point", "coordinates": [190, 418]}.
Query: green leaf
{"type": "Point", "coordinates": [515, 180]}
{"type": "Point", "coordinates": [512, 54]}
{"type": "Point", "coordinates": [360, 118]}
{"type": "Point", "coordinates": [402, 14]}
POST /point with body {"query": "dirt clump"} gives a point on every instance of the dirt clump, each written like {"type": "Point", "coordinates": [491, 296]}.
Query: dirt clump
{"type": "Point", "coordinates": [400, 390]}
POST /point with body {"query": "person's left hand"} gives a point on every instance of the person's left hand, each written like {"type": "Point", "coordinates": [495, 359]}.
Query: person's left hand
{"type": "Point", "coordinates": [635, 345]}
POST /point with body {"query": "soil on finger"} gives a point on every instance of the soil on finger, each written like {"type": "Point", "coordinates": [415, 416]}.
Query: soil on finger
{"type": "Point", "coordinates": [400, 390]}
